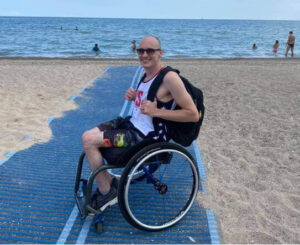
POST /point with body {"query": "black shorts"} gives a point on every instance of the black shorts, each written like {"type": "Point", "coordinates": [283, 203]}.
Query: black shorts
{"type": "Point", "coordinates": [291, 45]}
{"type": "Point", "coordinates": [118, 136]}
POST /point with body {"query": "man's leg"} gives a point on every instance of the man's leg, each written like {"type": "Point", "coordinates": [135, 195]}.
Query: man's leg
{"type": "Point", "coordinates": [287, 49]}
{"type": "Point", "coordinates": [91, 141]}
{"type": "Point", "coordinates": [292, 50]}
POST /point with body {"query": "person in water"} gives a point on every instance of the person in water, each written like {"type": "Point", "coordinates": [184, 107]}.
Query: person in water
{"type": "Point", "coordinates": [290, 44]}
{"type": "Point", "coordinates": [96, 48]}
{"type": "Point", "coordinates": [275, 46]}
{"type": "Point", "coordinates": [133, 45]}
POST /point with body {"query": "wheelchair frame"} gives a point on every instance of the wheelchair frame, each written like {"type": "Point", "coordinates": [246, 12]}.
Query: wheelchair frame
{"type": "Point", "coordinates": [138, 161]}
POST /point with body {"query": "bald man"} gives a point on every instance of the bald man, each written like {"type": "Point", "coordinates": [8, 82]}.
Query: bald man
{"type": "Point", "coordinates": [124, 133]}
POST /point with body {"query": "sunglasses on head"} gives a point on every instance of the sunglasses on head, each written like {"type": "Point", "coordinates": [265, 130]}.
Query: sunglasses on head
{"type": "Point", "coordinates": [141, 51]}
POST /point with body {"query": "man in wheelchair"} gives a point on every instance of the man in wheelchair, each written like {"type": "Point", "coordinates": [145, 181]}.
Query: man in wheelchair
{"type": "Point", "coordinates": [123, 133]}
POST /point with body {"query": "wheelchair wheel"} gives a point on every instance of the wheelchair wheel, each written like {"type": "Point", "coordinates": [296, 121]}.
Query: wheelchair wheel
{"type": "Point", "coordinates": [166, 190]}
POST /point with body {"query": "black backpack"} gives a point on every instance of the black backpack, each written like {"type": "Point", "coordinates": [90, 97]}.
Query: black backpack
{"type": "Point", "coordinates": [181, 132]}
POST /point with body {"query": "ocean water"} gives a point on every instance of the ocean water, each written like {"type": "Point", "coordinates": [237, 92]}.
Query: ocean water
{"type": "Point", "coordinates": [43, 37]}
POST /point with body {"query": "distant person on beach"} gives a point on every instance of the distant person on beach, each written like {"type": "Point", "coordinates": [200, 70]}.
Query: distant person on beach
{"type": "Point", "coordinates": [96, 48]}
{"type": "Point", "coordinates": [254, 46]}
{"type": "Point", "coordinates": [133, 45]}
{"type": "Point", "coordinates": [290, 44]}
{"type": "Point", "coordinates": [121, 133]}
{"type": "Point", "coordinates": [76, 28]}
{"type": "Point", "coordinates": [275, 46]}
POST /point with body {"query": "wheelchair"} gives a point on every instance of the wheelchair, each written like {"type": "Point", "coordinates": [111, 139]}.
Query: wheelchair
{"type": "Point", "coordinates": [158, 183]}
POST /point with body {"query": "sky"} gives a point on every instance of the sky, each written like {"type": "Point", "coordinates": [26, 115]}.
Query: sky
{"type": "Point", "coordinates": [156, 9]}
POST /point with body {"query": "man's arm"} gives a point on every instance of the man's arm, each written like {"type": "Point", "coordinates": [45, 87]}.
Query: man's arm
{"type": "Point", "coordinates": [188, 111]}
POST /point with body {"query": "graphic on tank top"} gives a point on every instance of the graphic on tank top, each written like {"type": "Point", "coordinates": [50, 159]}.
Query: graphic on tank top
{"type": "Point", "coordinates": [151, 128]}
{"type": "Point", "coordinates": [141, 121]}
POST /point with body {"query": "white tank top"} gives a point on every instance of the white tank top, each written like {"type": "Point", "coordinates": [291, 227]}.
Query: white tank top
{"type": "Point", "coordinates": [141, 121]}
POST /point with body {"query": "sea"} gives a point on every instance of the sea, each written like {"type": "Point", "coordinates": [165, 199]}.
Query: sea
{"type": "Point", "coordinates": [181, 38]}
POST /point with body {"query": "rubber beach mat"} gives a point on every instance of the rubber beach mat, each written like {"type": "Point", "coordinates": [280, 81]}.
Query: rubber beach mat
{"type": "Point", "coordinates": [37, 184]}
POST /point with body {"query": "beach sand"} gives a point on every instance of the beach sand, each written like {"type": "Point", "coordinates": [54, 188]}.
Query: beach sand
{"type": "Point", "coordinates": [249, 139]}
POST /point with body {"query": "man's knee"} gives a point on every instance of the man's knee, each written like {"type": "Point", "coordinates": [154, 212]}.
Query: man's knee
{"type": "Point", "coordinates": [91, 139]}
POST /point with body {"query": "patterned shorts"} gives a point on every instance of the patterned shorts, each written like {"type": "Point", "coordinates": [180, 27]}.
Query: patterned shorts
{"type": "Point", "coordinates": [119, 132]}
{"type": "Point", "coordinates": [118, 135]}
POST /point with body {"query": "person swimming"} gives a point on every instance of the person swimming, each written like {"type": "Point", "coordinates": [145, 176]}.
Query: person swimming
{"type": "Point", "coordinates": [96, 48]}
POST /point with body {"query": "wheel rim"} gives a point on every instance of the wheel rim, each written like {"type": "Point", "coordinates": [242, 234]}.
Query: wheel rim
{"type": "Point", "coordinates": [152, 210]}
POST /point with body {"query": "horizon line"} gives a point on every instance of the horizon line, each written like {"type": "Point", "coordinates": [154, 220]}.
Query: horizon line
{"type": "Point", "coordinates": [133, 18]}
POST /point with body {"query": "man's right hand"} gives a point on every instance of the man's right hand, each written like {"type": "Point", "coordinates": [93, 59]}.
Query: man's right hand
{"type": "Point", "coordinates": [130, 94]}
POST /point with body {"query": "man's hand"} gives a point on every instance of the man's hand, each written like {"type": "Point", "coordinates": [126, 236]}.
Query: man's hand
{"type": "Point", "coordinates": [130, 94]}
{"type": "Point", "coordinates": [149, 108]}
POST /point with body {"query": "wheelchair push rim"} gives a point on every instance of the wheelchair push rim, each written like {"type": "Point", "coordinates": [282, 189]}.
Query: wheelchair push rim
{"type": "Point", "coordinates": [163, 205]}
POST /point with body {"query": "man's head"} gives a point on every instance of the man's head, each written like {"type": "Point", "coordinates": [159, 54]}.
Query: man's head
{"type": "Point", "coordinates": [150, 52]}
{"type": "Point", "coordinates": [291, 32]}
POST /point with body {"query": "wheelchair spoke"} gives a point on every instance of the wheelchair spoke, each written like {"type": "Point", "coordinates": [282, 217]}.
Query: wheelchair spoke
{"type": "Point", "coordinates": [163, 173]}
{"type": "Point", "coordinates": [165, 211]}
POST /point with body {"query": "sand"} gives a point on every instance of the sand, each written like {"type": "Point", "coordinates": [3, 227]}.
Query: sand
{"type": "Point", "coordinates": [34, 90]}
{"type": "Point", "coordinates": [249, 139]}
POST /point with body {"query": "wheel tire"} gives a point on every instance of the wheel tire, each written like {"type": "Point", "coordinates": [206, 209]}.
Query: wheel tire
{"type": "Point", "coordinates": [137, 160]}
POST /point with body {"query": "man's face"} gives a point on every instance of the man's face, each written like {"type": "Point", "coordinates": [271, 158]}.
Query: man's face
{"type": "Point", "coordinates": [150, 56]}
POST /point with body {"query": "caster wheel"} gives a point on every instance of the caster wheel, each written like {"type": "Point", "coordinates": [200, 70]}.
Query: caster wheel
{"type": "Point", "coordinates": [98, 222]}
{"type": "Point", "coordinates": [99, 227]}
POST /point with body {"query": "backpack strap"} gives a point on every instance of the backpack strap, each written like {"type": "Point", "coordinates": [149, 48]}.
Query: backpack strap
{"type": "Point", "coordinates": [142, 79]}
{"type": "Point", "coordinates": [158, 81]}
